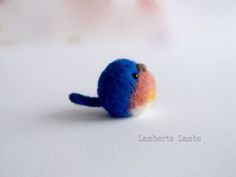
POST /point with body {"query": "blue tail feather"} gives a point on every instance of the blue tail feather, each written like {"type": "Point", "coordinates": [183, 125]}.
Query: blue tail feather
{"type": "Point", "coordinates": [84, 100]}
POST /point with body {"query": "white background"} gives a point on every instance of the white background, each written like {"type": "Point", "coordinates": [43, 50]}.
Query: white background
{"type": "Point", "coordinates": [43, 134]}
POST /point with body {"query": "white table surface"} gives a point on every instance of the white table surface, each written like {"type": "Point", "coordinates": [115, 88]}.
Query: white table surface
{"type": "Point", "coordinates": [43, 134]}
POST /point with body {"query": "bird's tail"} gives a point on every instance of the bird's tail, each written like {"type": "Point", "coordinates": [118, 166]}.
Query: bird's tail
{"type": "Point", "coordinates": [84, 100]}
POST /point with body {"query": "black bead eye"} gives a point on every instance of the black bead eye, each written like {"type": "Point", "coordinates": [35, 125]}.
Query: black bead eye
{"type": "Point", "coordinates": [135, 76]}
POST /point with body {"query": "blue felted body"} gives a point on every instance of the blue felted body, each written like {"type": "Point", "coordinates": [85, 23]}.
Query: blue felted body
{"type": "Point", "coordinates": [115, 88]}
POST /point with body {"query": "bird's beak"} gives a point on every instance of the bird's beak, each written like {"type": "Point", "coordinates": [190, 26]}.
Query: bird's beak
{"type": "Point", "coordinates": [141, 67]}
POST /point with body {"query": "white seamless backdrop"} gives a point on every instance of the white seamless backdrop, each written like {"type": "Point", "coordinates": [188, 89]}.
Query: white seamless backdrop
{"type": "Point", "coordinates": [43, 134]}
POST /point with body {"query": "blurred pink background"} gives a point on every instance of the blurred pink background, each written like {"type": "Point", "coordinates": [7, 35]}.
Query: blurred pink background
{"type": "Point", "coordinates": [73, 21]}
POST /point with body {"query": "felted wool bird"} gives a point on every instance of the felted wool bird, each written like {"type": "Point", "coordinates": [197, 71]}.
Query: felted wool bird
{"type": "Point", "coordinates": [125, 88]}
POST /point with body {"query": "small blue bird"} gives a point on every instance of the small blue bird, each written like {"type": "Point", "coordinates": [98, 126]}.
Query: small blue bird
{"type": "Point", "coordinates": [125, 88]}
